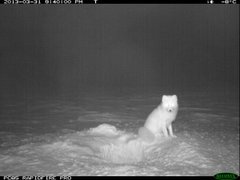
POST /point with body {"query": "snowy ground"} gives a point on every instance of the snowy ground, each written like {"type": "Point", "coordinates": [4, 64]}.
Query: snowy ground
{"type": "Point", "coordinates": [61, 136]}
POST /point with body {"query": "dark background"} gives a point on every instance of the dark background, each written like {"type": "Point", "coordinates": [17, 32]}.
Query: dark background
{"type": "Point", "coordinates": [53, 49]}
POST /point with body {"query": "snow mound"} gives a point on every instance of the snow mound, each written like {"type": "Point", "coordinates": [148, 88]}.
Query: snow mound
{"type": "Point", "coordinates": [104, 129]}
{"type": "Point", "coordinates": [119, 146]}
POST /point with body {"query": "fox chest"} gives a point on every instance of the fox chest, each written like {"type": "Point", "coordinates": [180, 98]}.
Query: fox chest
{"type": "Point", "coordinates": [160, 119]}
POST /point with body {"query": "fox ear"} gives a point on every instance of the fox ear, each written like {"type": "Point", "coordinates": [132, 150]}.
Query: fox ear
{"type": "Point", "coordinates": [164, 98]}
{"type": "Point", "coordinates": [174, 96]}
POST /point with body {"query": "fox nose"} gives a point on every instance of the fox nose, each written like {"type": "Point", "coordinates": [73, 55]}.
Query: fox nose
{"type": "Point", "coordinates": [169, 110]}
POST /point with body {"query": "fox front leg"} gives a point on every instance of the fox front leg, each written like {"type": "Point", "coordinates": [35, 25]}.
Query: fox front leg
{"type": "Point", "coordinates": [171, 131]}
{"type": "Point", "coordinates": [165, 132]}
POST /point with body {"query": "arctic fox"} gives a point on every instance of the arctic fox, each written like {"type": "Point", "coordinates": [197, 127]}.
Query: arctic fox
{"type": "Point", "coordinates": [160, 120]}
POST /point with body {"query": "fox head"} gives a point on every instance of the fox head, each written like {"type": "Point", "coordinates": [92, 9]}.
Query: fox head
{"type": "Point", "coordinates": [169, 102]}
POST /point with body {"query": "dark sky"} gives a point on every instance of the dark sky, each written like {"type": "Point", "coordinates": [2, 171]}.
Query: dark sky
{"type": "Point", "coordinates": [70, 47]}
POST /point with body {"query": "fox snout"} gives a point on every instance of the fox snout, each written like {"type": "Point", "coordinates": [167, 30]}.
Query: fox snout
{"type": "Point", "coordinates": [169, 109]}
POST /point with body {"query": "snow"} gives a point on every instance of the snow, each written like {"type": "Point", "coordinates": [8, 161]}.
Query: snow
{"type": "Point", "coordinates": [97, 135]}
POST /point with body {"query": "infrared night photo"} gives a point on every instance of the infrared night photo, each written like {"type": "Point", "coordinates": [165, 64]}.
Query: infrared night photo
{"type": "Point", "coordinates": [119, 90]}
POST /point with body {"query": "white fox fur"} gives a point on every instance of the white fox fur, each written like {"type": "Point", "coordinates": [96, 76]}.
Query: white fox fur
{"type": "Point", "coordinates": [160, 119]}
